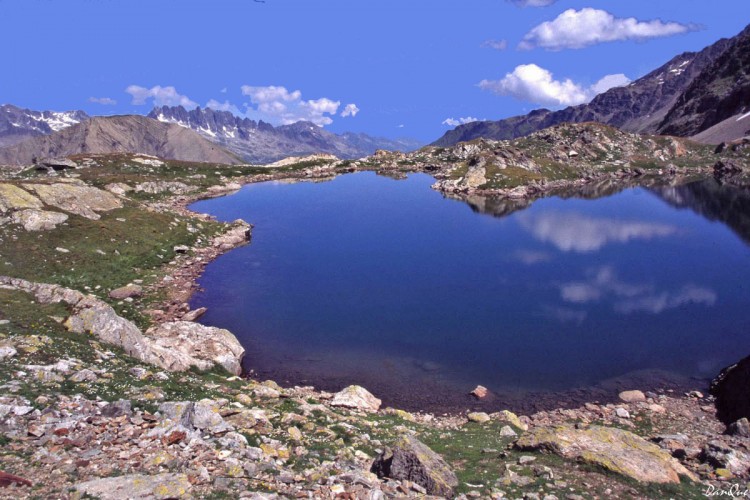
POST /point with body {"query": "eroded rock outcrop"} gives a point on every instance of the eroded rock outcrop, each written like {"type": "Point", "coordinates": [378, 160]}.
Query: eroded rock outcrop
{"type": "Point", "coordinates": [77, 199]}
{"type": "Point", "coordinates": [38, 220]}
{"type": "Point", "coordinates": [174, 346]}
{"type": "Point", "coordinates": [613, 449]}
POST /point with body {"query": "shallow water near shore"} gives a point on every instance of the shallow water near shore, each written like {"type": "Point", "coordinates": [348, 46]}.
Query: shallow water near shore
{"type": "Point", "coordinates": [387, 284]}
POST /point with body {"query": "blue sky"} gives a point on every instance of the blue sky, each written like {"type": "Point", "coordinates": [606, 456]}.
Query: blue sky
{"type": "Point", "coordinates": [406, 66]}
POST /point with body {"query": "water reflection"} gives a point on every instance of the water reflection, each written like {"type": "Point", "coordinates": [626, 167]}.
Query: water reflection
{"type": "Point", "coordinates": [574, 232]}
{"type": "Point", "coordinates": [626, 298]}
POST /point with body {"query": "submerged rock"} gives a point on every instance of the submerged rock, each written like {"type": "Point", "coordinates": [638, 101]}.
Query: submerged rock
{"type": "Point", "coordinates": [411, 460]}
{"type": "Point", "coordinates": [356, 398]}
{"type": "Point", "coordinates": [613, 449]}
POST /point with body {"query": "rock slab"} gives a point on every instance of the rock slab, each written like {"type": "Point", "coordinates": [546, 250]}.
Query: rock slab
{"type": "Point", "coordinates": [613, 449]}
{"type": "Point", "coordinates": [411, 460]}
{"type": "Point", "coordinates": [136, 486]}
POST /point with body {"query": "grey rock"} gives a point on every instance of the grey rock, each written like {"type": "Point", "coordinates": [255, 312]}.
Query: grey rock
{"type": "Point", "coordinates": [137, 486]}
{"type": "Point", "coordinates": [38, 220]}
{"type": "Point", "coordinates": [739, 428]}
{"type": "Point", "coordinates": [126, 291]}
{"type": "Point", "coordinates": [411, 460]}
{"type": "Point", "coordinates": [117, 408]}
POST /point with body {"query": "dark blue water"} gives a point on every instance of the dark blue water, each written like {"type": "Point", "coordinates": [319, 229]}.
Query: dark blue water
{"type": "Point", "coordinates": [388, 284]}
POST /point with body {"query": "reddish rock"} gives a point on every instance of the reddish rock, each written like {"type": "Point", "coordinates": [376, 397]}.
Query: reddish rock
{"type": "Point", "coordinates": [479, 392]}
{"type": "Point", "coordinates": [8, 479]}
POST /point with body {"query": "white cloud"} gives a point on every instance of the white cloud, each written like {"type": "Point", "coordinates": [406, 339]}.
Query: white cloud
{"type": "Point", "coordinates": [223, 106]}
{"type": "Point", "coordinates": [105, 101]}
{"type": "Point", "coordinates": [608, 82]}
{"type": "Point", "coordinates": [627, 298]}
{"type": "Point", "coordinates": [575, 29]}
{"type": "Point", "coordinates": [224, 90]}
{"type": "Point", "coordinates": [401, 126]}
{"type": "Point", "coordinates": [350, 110]}
{"type": "Point", "coordinates": [531, 257]}
{"type": "Point", "coordinates": [658, 302]}
{"type": "Point", "coordinates": [533, 3]}
{"type": "Point", "coordinates": [495, 44]}
{"type": "Point", "coordinates": [453, 122]}
{"type": "Point", "coordinates": [532, 83]}
{"type": "Point", "coordinates": [276, 104]}
{"type": "Point", "coordinates": [161, 96]}
{"type": "Point", "coordinates": [572, 232]}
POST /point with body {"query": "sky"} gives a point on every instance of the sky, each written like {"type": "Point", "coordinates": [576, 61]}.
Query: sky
{"type": "Point", "coordinates": [393, 68]}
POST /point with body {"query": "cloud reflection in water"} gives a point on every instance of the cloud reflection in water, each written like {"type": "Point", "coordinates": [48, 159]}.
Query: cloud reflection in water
{"type": "Point", "coordinates": [573, 232]}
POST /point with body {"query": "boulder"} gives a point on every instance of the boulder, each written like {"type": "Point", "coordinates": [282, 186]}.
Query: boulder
{"type": "Point", "coordinates": [721, 456]}
{"type": "Point", "coordinates": [118, 188]}
{"type": "Point", "coordinates": [136, 486]}
{"type": "Point", "coordinates": [632, 396]}
{"type": "Point", "coordinates": [613, 449]}
{"type": "Point", "coordinates": [726, 168]}
{"type": "Point", "coordinates": [479, 392]}
{"type": "Point", "coordinates": [38, 220]}
{"type": "Point", "coordinates": [478, 417]}
{"type": "Point", "coordinates": [126, 291]}
{"type": "Point", "coordinates": [57, 163]}
{"type": "Point", "coordinates": [409, 459]}
{"type": "Point", "coordinates": [14, 198]}
{"type": "Point", "coordinates": [739, 428]}
{"type": "Point", "coordinates": [356, 398]}
{"type": "Point", "coordinates": [732, 391]}
{"type": "Point", "coordinates": [76, 199]}
{"type": "Point", "coordinates": [182, 344]}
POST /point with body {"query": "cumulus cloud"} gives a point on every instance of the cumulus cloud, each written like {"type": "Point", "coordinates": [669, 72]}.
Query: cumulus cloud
{"type": "Point", "coordinates": [533, 3]}
{"type": "Point", "coordinates": [223, 106]}
{"type": "Point", "coordinates": [603, 284]}
{"type": "Point", "coordinates": [276, 104]}
{"type": "Point", "coordinates": [495, 44]}
{"type": "Point", "coordinates": [161, 96]}
{"type": "Point", "coordinates": [350, 110]}
{"type": "Point", "coordinates": [455, 122]}
{"type": "Point", "coordinates": [532, 83]}
{"type": "Point", "coordinates": [575, 29]}
{"type": "Point", "coordinates": [572, 232]}
{"type": "Point", "coordinates": [105, 101]}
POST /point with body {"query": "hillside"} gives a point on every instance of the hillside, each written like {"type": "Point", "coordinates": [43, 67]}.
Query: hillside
{"type": "Point", "coordinates": [670, 100]}
{"type": "Point", "coordinates": [721, 92]}
{"type": "Point", "coordinates": [119, 134]}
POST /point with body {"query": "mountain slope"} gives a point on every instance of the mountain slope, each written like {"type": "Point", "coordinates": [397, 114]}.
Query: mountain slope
{"type": "Point", "coordinates": [18, 124]}
{"type": "Point", "coordinates": [260, 142]}
{"type": "Point", "coordinates": [720, 92]}
{"type": "Point", "coordinates": [638, 107]}
{"type": "Point", "coordinates": [118, 134]}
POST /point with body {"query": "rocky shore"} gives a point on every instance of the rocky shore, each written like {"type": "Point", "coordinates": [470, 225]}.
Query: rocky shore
{"type": "Point", "coordinates": [111, 390]}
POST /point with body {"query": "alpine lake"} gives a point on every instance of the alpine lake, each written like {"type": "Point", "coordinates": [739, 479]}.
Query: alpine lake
{"type": "Point", "coordinates": [388, 284]}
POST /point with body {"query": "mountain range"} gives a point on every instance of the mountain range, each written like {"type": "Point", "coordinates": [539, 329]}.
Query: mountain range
{"type": "Point", "coordinates": [18, 124]}
{"type": "Point", "coordinates": [118, 134]}
{"type": "Point", "coordinates": [692, 93]}
{"type": "Point", "coordinates": [260, 142]}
